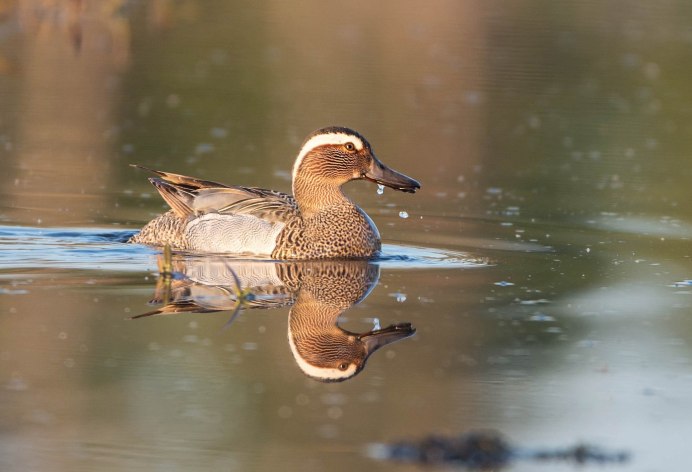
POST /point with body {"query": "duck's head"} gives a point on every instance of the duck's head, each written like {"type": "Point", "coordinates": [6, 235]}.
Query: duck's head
{"type": "Point", "coordinates": [336, 155]}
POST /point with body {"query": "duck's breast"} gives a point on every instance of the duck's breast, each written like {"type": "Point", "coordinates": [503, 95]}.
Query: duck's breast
{"type": "Point", "coordinates": [236, 234]}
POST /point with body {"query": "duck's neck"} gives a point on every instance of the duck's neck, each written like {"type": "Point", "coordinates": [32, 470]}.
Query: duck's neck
{"type": "Point", "coordinates": [312, 197]}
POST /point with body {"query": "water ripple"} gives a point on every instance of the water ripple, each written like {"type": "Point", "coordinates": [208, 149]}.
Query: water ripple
{"type": "Point", "coordinates": [96, 248]}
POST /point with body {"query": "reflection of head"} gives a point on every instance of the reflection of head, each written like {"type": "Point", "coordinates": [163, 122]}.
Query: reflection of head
{"type": "Point", "coordinates": [322, 349]}
{"type": "Point", "coordinates": [319, 292]}
{"type": "Point", "coordinates": [328, 353]}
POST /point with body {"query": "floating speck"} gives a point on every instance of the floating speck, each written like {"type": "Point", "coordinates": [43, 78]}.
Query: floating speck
{"type": "Point", "coordinates": [380, 189]}
{"type": "Point", "coordinates": [540, 301]}
{"type": "Point", "coordinates": [173, 101]}
{"type": "Point", "coordinates": [683, 283]}
{"type": "Point", "coordinates": [218, 133]}
{"type": "Point", "coordinates": [204, 148]}
{"type": "Point", "coordinates": [285, 412]}
{"type": "Point", "coordinates": [8, 291]}
{"type": "Point", "coordinates": [283, 175]}
{"type": "Point", "coordinates": [398, 296]}
{"type": "Point", "coordinates": [302, 399]}
{"type": "Point", "coordinates": [335, 412]}
{"type": "Point", "coordinates": [17, 384]}
{"type": "Point", "coordinates": [503, 283]}
{"type": "Point", "coordinates": [376, 323]}
{"type": "Point", "coordinates": [403, 214]}
{"type": "Point", "coordinates": [512, 211]}
{"type": "Point", "coordinates": [541, 317]}
{"type": "Point", "coordinates": [328, 431]}
{"type": "Point", "coordinates": [249, 346]}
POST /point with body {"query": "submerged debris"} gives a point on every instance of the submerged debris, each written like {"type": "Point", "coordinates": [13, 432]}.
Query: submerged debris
{"type": "Point", "coordinates": [486, 450]}
{"type": "Point", "coordinates": [476, 450]}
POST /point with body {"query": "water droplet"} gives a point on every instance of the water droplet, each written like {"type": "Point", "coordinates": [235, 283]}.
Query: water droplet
{"type": "Point", "coordinates": [173, 101]}
{"type": "Point", "coordinates": [403, 214]}
{"type": "Point", "coordinates": [204, 148]}
{"type": "Point", "coordinates": [541, 317]}
{"type": "Point", "coordinates": [17, 384]}
{"type": "Point", "coordinates": [218, 133]}
{"type": "Point", "coordinates": [380, 189]}
{"type": "Point", "coordinates": [285, 412]}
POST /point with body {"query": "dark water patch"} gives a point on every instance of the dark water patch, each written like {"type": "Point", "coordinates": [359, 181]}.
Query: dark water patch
{"type": "Point", "coordinates": [488, 450]}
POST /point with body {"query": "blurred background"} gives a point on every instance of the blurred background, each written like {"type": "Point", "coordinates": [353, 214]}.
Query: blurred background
{"type": "Point", "coordinates": [552, 139]}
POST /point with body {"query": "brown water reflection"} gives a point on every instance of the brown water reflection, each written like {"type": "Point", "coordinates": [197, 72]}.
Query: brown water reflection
{"type": "Point", "coordinates": [553, 139]}
{"type": "Point", "coordinates": [318, 293]}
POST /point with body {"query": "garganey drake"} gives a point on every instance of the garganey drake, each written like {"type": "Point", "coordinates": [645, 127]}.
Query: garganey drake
{"type": "Point", "coordinates": [317, 222]}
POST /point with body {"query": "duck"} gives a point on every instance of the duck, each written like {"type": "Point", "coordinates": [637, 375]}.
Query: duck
{"type": "Point", "coordinates": [317, 222]}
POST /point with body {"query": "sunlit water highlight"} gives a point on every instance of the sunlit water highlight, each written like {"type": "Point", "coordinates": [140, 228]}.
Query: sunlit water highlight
{"type": "Point", "coordinates": [102, 249]}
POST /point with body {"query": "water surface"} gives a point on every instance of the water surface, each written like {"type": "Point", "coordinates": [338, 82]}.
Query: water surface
{"type": "Point", "coordinates": [545, 264]}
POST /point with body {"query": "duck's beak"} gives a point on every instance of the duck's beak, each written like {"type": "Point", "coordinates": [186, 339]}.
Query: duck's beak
{"type": "Point", "coordinates": [375, 339]}
{"type": "Point", "coordinates": [383, 175]}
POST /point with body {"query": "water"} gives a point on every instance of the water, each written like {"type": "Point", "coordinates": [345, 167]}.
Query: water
{"type": "Point", "coordinates": [544, 264]}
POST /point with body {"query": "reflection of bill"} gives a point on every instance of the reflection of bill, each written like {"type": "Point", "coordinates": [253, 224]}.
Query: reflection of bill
{"type": "Point", "coordinates": [318, 292]}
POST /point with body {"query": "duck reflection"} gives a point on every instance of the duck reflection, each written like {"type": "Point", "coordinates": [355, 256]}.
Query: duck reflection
{"type": "Point", "coordinates": [318, 293]}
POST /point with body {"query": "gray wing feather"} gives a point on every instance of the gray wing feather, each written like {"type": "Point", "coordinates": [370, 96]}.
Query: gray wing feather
{"type": "Point", "coordinates": [191, 196]}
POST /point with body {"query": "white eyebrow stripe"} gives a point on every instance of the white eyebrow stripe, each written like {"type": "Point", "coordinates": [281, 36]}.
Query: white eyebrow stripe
{"type": "Point", "coordinates": [324, 373]}
{"type": "Point", "coordinates": [321, 140]}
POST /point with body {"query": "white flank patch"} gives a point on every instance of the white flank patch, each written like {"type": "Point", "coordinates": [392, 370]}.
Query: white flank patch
{"type": "Point", "coordinates": [321, 140]}
{"type": "Point", "coordinates": [318, 372]}
{"type": "Point", "coordinates": [234, 234]}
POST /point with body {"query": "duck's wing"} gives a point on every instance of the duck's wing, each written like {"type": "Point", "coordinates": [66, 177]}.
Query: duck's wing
{"type": "Point", "coordinates": [265, 204]}
{"type": "Point", "coordinates": [182, 181]}
{"type": "Point", "coordinates": [190, 196]}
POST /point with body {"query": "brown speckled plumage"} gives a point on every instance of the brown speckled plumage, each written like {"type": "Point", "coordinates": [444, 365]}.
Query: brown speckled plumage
{"type": "Point", "coordinates": [166, 229]}
{"type": "Point", "coordinates": [318, 222]}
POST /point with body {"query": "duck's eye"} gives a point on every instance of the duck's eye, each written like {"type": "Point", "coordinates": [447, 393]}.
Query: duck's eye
{"type": "Point", "coordinates": [350, 147]}
{"type": "Point", "coordinates": [344, 365]}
